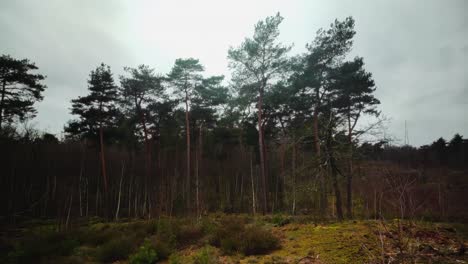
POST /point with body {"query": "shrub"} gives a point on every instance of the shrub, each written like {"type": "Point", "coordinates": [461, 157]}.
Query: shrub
{"type": "Point", "coordinates": [206, 255]}
{"type": "Point", "coordinates": [280, 220]}
{"type": "Point", "coordinates": [188, 234]}
{"type": "Point", "coordinates": [257, 240]}
{"type": "Point", "coordinates": [145, 254]}
{"type": "Point", "coordinates": [175, 259]}
{"type": "Point", "coordinates": [115, 249]}
{"type": "Point", "coordinates": [50, 243]}
{"type": "Point", "coordinates": [166, 230]}
{"type": "Point", "coordinates": [97, 237]}
{"type": "Point", "coordinates": [162, 247]}
{"type": "Point", "coordinates": [207, 225]}
{"type": "Point", "coordinates": [233, 235]}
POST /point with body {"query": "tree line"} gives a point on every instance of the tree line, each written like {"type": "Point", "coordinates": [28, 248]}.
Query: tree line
{"type": "Point", "coordinates": [281, 135]}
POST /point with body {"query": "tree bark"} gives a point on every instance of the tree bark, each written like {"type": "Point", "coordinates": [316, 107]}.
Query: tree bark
{"type": "Point", "coordinates": [316, 133]}
{"type": "Point", "coordinates": [293, 160]}
{"type": "Point", "coordinates": [253, 185]}
{"type": "Point", "coordinates": [120, 193]}
{"type": "Point", "coordinates": [262, 150]}
{"type": "Point", "coordinates": [349, 178]}
{"type": "Point", "coordinates": [323, 191]}
{"type": "Point", "coordinates": [339, 208]}
{"type": "Point", "coordinates": [2, 100]}
{"type": "Point", "coordinates": [187, 127]}
{"type": "Point", "coordinates": [103, 159]}
{"type": "Point", "coordinates": [197, 171]}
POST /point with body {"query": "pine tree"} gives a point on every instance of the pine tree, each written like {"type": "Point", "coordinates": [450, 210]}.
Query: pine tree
{"type": "Point", "coordinates": [257, 63]}
{"type": "Point", "coordinates": [353, 89]}
{"type": "Point", "coordinates": [97, 111]}
{"type": "Point", "coordinates": [184, 77]}
{"type": "Point", "coordinates": [20, 89]}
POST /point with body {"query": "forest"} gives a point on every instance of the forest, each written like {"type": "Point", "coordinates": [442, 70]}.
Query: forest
{"type": "Point", "coordinates": [285, 162]}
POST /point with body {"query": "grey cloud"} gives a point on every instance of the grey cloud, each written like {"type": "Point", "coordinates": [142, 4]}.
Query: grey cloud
{"type": "Point", "coordinates": [416, 50]}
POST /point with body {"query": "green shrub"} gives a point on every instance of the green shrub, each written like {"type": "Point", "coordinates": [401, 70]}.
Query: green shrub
{"type": "Point", "coordinates": [206, 255]}
{"type": "Point", "coordinates": [97, 237]}
{"type": "Point", "coordinates": [207, 225]}
{"type": "Point", "coordinates": [257, 240]}
{"type": "Point", "coordinates": [142, 227]}
{"type": "Point", "coordinates": [162, 247]}
{"type": "Point", "coordinates": [115, 249]}
{"type": "Point", "coordinates": [233, 235]}
{"type": "Point", "coordinates": [280, 220]}
{"type": "Point", "coordinates": [145, 254]}
{"type": "Point", "coordinates": [175, 259]}
{"type": "Point", "coordinates": [166, 230]}
{"type": "Point", "coordinates": [36, 247]}
{"type": "Point", "coordinates": [188, 234]}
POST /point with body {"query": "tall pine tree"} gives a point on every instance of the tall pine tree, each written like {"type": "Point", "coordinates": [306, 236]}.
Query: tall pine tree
{"type": "Point", "coordinates": [97, 111]}
{"type": "Point", "coordinates": [19, 89]}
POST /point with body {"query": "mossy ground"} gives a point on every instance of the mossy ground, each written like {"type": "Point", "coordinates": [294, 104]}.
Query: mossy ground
{"type": "Point", "coordinates": [301, 240]}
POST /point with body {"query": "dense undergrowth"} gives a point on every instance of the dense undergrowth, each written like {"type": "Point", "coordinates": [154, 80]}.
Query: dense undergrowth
{"type": "Point", "coordinates": [220, 238]}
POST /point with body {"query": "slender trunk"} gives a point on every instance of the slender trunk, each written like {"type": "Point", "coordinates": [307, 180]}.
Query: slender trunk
{"type": "Point", "coordinates": [130, 198]}
{"type": "Point", "coordinates": [349, 178]}
{"type": "Point", "coordinates": [87, 198]}
{"type": "Point", "coordinates": [2, 100]}
{"type": "Point", "coordinates": [253, 185]}
{"type": "Point", "coordinates": [79, 190]}
{"type": "Point", "coordinates": [148, 159]}
{"type": "Point", "coordinates": [339, 209]}
{"type": "Point", "coordinates": [294, 177]}
{"type": "Point", "coordinates": [323, 192]}
{"type": "Point", "coordinates": [69, 209]}
{"type": "Point", "coordinates": [147, 145]}
{"type": "Point", "coordinates": [316, 133]}
{"type": "Point", "coordinates": [97, 200]}
{"type": "Point", "coordinates": [103, 158]}
{"type": "Point", "coordinates": [334, 171]}
{"type": "Point", "coordinates": [198, 160]}
{"type": "Point", "coordinates": [262, 150]}
{"type": "Point", "coordinates": [120, 193]}
{"type": "Point", "coordinates": [187, 127]}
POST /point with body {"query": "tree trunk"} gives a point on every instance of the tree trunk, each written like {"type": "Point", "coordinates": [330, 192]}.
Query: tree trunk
{"type": "Point", "coordinates": [253, 185]}
{"type": "Point", "coordinates": [120, 193]}
{"type": "Point", "coordinates": [187, 127]}
{"type": "Point", "coordinates": [262, 150]}
{"type": "Point", "coordinates": [339, 209]}
{"type": "Point", "coordinates": [349, 178]}
{"type": "Point", "coordinates": [79, 190]}
{"type": "Point", "coordinates": [294, 177]}
{"type": "Point", "coordinates": [103, 159]}
{"type": "Point", "coordinates": [69, 209]}
{"type": "Point", "coordinates": [148, 159]}
{"type": "Point", "coordinates": [197, 171]}
{"type": "Point", "coordinates": [316, 133]}
{"type": "Point", "coordinates": [2, 100]}
{"type": "Point", "coordinates": [323, 191]}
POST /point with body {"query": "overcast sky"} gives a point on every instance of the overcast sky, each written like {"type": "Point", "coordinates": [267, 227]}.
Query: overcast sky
{"type": "Point", "coordinates": [416, 50]}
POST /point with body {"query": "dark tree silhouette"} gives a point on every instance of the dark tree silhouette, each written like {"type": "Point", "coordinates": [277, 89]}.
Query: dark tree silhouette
{"type": "Point", "coordinates": [324, 54]}
{"type": "Point", "coordinates": [185, 76]}
{"type": "Point", "coordinates": [139, 90]}
{"type": "Point", "coordinates": [20, 89]}
{"type": "Point", "coordinates": [354, 90]}
{"type": "Point", "coordinates": [97, 111]}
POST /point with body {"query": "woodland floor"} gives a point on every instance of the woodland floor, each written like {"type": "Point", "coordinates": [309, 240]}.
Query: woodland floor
{"type": "Point", "coordinates": [299, 240]}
